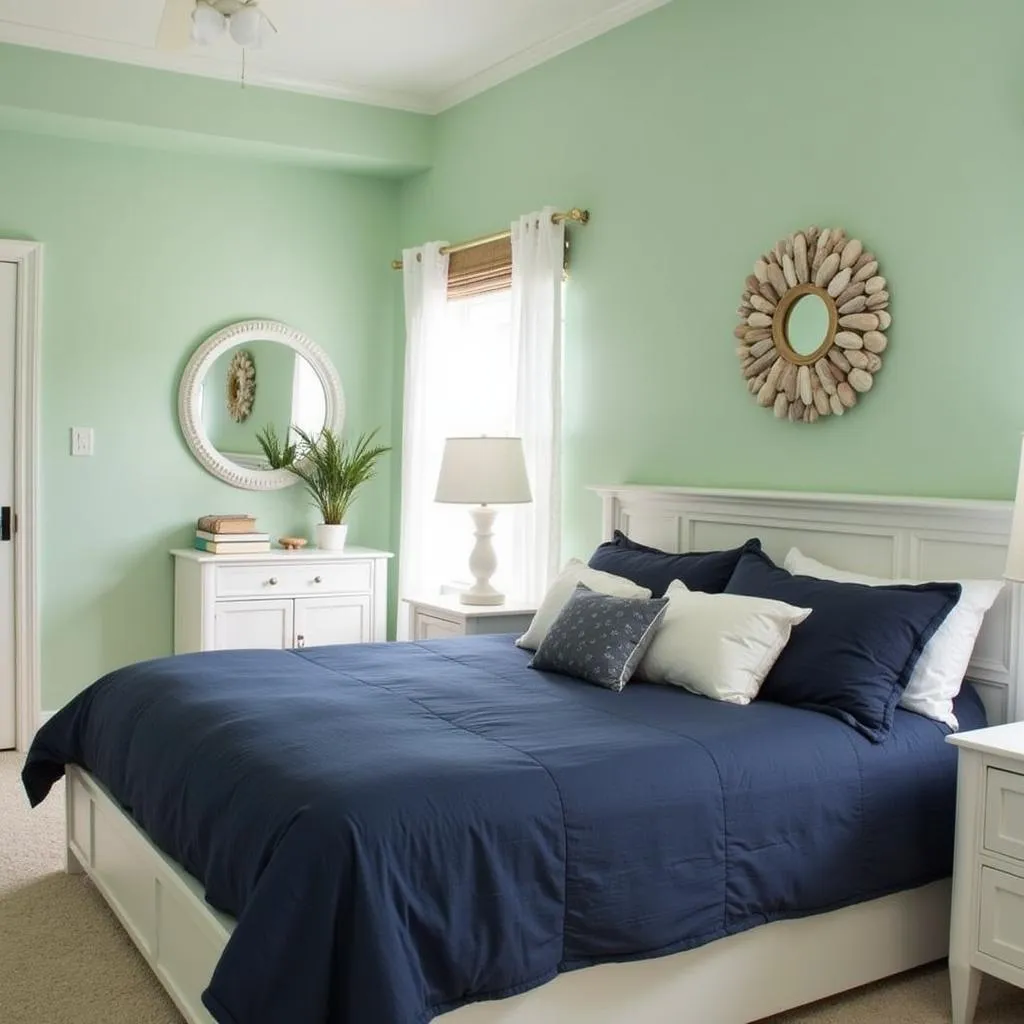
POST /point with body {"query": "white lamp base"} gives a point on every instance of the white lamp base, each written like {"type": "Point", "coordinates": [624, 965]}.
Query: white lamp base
{"type": "Point", "coordinates": [482, 560]}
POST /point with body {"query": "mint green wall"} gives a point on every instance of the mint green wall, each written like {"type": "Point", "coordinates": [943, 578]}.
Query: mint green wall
{"type": "Point", "coordinates": [146, 254]}
{"type": "Point", "coordinates": [701, 133]}
{"type": "Point", "coordinates": [61, 94]}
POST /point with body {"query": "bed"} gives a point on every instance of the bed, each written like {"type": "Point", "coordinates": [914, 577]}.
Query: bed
{"type": "Point", "coordinates": [454, 763]}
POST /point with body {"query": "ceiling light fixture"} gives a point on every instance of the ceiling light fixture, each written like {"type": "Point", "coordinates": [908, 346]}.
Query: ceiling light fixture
{"type": "Point", "coordinates": [244, 21]}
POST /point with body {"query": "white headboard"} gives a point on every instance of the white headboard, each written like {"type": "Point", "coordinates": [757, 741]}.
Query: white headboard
{"type": "Point", "coordinates": [916, 538]}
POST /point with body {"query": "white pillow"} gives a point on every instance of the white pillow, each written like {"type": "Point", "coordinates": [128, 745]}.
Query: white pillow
{"type": "Point", "coordinates": [940, 670]}
{"type": "Point", "coordinates": [720, 645]}
{"type": "Point", "coordinates": [561, 590]}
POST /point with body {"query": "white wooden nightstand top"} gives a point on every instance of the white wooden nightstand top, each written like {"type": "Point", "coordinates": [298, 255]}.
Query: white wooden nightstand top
{"type": "Point", "coordinates": [449, 603]}
{"type": "Point", "coordinates": [1001, 740]}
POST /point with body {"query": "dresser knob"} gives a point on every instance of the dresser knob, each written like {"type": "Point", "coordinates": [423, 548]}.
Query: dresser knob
{"type": "Point", "coordinates": [318, 579]}
{"type": "Point", "coordinates": [272, 581]}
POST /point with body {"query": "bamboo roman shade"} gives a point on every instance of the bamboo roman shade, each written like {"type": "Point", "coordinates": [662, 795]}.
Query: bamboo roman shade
{"type": "Point", "coordinates": [480, 268]}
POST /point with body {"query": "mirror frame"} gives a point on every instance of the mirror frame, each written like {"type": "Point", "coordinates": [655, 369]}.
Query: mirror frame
{"type": "Point", "coordinates": [190, 413]}
{"type": "Point", "coordinates": [780, 324]}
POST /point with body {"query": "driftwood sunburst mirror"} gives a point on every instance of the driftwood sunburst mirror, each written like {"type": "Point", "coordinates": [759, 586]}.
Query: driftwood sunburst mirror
{"type": "Point", "coordinates": [813, 318]}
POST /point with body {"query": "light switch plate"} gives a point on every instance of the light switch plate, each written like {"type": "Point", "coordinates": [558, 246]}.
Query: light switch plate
{"type": "Point", "coordinates": [81, 441]}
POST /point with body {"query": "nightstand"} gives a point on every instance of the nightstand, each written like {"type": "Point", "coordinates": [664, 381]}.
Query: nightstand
{"type": "Point", "coordinates": [444, 615]}
{"type": "Point", "coordinates": [987, 926]}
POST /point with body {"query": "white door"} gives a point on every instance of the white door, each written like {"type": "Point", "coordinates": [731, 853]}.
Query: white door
{"type": "Point", "coordinates": [250, 624]}
{"type": "Point", "coordinates": [332, 620]}
{"type": "Point", "coordinates": [8, 300]}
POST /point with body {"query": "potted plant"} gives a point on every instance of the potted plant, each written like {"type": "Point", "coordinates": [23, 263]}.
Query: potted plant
{"type": "Point", "coordinates": [333, 470]}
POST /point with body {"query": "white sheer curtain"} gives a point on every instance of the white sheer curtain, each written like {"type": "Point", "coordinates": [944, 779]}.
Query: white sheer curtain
{"type": "Point", "coordinates": [538, 258]}
{"type": "Point", "coordinates": [425, 275]}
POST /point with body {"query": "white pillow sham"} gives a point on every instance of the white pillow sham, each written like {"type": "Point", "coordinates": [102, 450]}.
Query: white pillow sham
{"type": "Point", "coordinates": [561, 590]}
{"type": "Point", "coordinates": [940, 670]}
{"type": "Point", "coordinates": [719, 645]}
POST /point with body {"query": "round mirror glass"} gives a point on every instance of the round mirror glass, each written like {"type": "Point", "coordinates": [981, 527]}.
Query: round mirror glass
{"type": "Point", "coordinates": [254, 386]}
{"type": "Point", "coordinates": [808, 324]}
{"type": "Point", "coordinates": [257, 379]}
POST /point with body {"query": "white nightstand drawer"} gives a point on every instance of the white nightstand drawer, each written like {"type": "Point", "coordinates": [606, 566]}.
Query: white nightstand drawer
{"type": "Point", "coordinates": [302, 578]}
{"type": "Point", "coordinates": [1004, 813]}
{"type": "Point", "coordinates": [432, 627]}
{"type": "Point", "coordinates": [1001, 931]}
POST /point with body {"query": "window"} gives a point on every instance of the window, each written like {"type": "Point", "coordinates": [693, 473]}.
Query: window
{"type": "Point", "coordinates": [473, 392]}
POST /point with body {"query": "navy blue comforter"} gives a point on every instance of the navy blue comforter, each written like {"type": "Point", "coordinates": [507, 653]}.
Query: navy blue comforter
{"type": "Point", "coordinates": [400, 829]}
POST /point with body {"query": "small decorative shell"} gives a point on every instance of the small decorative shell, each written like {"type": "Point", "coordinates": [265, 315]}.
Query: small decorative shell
{"type": "Point", "coordinates": [838, 241]}
{"type": "Point", "coordinates": [803, 385]}
{"type": "Point", "coordinates": [752, 283]}
{"type": "Point", "coordinates": [836, 405]}
{"type": "Point", "coordinates": [766, 396]}
{"type": "Point", "coordinates": [764, 320]}
{"type": "Point", "coordinates": [827, 270]}
{"type": "Point", "coordinates": [855, 321]}
{"type": "Point", "coordinates": [855, 289]}
{"type": "Point", "coordinates": [884, 320]}
{"type": "Point", "coordinates": [860, 380]}
{"type": "Point", "coordinates": [777, 279]}
{"type": "Point", "coordinates": [757, 334]}
{"type": "Point", "coordinates": [862, 261]}
{"type": "Point", "coordinates": [759, 348]}
{"type": "Point", "coordinates": [828, 382]}
{"type": "Point", "coordinates": [796, 410]}
{"type": "Point", "coordinates": [775, 373]}
{"type": "Point", "coordinates": [821, 402]}
{"type": "Point", "coordinates": [766, 291]}
{"type": "Point", "coordinates": [847, 395]}
{"type": "Point", "coordinates": [838, 283]}
{"type": "Point", "coordinates": [821, 250]}
{"type": "Point", "coordinates": [874, 284]}
{"type": "Point", "coordinates": [803, 271]}
{"type": "Point", "coordinates": [781, 405]}
{"type": "Point", "coordinates": [866, 272]}
{"type": "Point", "coordinates": [755, 384]}
{"type": "Point", "coordinates": [839, 358]}
{"type": "Point", "coordinates": [848, 339]}
{"type": "Point", "coordinates": [762, 304]}
{"type": "Point", "coordinates": [851, 253]}
{"type": "Point", "coordinates": [788, 381]}
{"type": "Point", "coordinates": [810, 415]}
{"type": "Point", "coordinates": [761, 271]}
{"type": "Point", "coordinates": [789, 270]}
{"type": "Point", "coordinates": [858, 358]}
{"type": "Point", "coordinates": [875, 302]}
{"type": "Point", "coordinates": [854, 305]}
{"type": "Point", "coordinates": [760, 363]}
{"type": "Point", "coordinates": [740, 332]}
{"type": "Point", "coordinates": [875, 341]}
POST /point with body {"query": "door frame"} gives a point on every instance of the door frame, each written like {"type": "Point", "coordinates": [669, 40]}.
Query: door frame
{"type": "Point", "coordinates": [27, 344]}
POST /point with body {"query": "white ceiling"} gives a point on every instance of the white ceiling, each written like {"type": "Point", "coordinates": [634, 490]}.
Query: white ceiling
{"type": "Point", "coordinates": [421, 55]}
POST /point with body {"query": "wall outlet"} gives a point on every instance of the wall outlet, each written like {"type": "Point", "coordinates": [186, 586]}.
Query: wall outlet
{"type": "Point", "coordinates": [81, 441]}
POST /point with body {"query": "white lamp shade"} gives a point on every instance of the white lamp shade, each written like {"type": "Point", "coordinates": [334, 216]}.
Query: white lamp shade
{"type": "Point", "coordinates": [483, 471]}
{"type": "Point", "coordinates": [246, 27]}
{"type": "Point", "coordinates": [1015, 552]}
{"type": "Point", "coordinates": [207, 24]}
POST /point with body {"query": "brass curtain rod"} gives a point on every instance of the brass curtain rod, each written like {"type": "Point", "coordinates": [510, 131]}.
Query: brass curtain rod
{"type": "Point", "coordinates": [576, 215]}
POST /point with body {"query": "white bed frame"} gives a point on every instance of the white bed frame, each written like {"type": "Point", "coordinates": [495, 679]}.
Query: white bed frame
{"type": "Point", "coordinates": [734, 980]}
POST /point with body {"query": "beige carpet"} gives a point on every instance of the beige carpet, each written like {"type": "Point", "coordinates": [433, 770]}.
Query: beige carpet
{"type": "Point", "coordinates": [65, 960]}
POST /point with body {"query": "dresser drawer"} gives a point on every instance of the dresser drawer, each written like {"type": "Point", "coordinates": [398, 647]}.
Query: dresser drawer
{"type": "Point", "coordinates": [1001, 920]}
{"type": "Point", "coordinates": [303, 579]}
{"type": "Point", "coordinates": [1004, 813]}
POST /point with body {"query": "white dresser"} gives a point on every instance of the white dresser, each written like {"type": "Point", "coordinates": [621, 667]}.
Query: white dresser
{"type": "Point", "coordinates": [987, 929]}
{"type": "Point", "coordinates": [279, 599]}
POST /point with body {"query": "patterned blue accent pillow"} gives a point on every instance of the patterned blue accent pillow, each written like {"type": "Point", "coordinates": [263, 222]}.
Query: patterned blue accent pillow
{"type": "Point", "coordinates": [599, 638]}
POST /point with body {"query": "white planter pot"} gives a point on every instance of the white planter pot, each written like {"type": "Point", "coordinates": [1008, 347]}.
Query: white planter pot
{"type": "Point", "coordinates": [331, 537]}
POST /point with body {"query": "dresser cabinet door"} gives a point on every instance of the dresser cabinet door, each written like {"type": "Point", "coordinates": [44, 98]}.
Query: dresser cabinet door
{"type": "Point", "coordinates": [251, 624]}
{"type": "Point", "coordinates": [332, 620]}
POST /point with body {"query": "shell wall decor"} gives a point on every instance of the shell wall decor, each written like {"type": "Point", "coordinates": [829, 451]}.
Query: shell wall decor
{"type": "Point", "coordinates": [813, 318]}
{"type": "Point", "coordinates": [241, 386]}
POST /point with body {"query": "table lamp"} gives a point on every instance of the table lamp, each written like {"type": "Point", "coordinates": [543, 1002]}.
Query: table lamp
{"type": "Point", "coordinates": [483, 471]}
{"type": "Point", "coordinates": [1015, 552]}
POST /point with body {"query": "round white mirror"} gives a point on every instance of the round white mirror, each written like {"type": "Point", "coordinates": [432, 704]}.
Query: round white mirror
{"type": "Point", "coordinates": [246, 379]}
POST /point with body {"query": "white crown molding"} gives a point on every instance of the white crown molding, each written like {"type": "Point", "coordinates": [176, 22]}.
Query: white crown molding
{"type": "Point", "coordinates": [545, 50]}
{"type": "Point", "coordinates": [188, 63]}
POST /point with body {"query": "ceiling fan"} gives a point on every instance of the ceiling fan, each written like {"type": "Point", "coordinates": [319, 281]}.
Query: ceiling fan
{"type": "Point", "coordinates": [204, 21]}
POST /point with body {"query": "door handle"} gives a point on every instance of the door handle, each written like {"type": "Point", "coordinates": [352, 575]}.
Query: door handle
{"type": "Point", "coordinates": [5, 523]}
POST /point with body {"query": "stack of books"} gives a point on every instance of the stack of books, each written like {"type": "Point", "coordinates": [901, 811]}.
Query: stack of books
{"type": "Point", "coordinates": [230, 535]}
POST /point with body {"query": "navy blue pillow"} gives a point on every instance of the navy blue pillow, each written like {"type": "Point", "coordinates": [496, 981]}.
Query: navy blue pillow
{"type": "Point", "coordinates": [708, 571]}
{"type": "Point", "coordinates": [853, 655]}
